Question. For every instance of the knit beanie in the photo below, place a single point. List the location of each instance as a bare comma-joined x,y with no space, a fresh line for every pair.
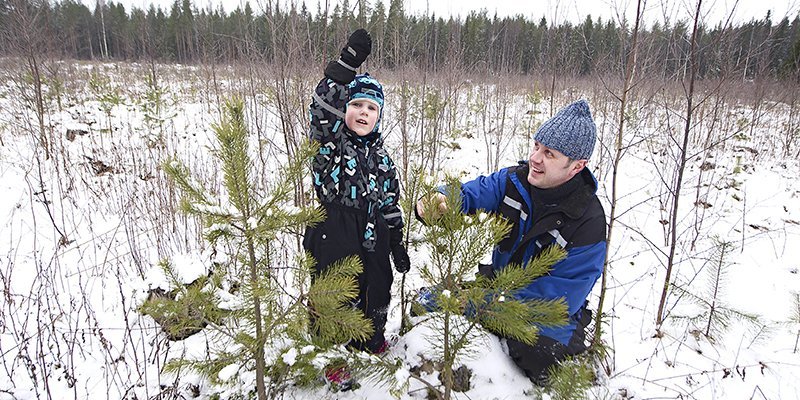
571,131
365,87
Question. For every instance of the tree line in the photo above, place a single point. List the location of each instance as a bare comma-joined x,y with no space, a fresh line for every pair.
760,48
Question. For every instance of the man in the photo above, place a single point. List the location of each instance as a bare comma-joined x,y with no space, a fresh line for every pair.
548,200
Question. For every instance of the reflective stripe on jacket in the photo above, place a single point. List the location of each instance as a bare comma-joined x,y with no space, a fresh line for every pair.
348,170
577,224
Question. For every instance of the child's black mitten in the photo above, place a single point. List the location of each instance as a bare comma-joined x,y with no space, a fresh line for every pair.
402,263
358,47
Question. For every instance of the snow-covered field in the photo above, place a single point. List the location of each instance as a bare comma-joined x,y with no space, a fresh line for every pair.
83,231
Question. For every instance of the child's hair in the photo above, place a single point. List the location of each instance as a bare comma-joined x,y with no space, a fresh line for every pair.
365,87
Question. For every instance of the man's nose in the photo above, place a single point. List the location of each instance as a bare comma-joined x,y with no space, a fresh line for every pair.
536,156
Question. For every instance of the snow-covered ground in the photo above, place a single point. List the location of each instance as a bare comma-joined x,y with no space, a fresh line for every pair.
84,229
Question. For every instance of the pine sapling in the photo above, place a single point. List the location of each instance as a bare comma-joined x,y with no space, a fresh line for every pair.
466,305
107,94
155,105
796,317
716,317
570,379
186,309
264,316
412,189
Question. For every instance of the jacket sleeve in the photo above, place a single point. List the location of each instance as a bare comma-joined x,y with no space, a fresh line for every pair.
326,111
571,278
391,191
482,193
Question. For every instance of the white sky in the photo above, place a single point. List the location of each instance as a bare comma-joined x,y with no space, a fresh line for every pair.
554,10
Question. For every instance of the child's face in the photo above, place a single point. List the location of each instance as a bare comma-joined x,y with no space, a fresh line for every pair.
361,116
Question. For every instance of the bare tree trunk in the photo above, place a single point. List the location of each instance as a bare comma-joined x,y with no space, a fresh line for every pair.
630,71
447,369
404,94
260,339
552,94
38,100
676,192
790,129
104,50
29,41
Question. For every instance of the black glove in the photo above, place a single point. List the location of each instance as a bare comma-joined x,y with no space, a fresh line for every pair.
401,261
358,47
399,254
486,271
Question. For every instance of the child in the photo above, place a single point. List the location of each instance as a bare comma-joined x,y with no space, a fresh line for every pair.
356,182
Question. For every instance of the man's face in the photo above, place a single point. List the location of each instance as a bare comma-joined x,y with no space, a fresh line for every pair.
361,116
550,168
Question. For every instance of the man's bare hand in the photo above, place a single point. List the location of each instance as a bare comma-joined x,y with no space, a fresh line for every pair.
431,207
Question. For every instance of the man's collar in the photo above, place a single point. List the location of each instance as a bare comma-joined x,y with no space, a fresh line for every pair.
571,198
559,193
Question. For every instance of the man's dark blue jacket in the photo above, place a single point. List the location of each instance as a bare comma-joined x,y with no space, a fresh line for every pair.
569,215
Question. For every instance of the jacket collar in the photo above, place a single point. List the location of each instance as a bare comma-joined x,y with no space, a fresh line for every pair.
572,198
374,138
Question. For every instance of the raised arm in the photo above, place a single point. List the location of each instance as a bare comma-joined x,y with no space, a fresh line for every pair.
330,96
328,104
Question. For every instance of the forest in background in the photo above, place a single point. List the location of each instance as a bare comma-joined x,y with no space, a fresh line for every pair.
682,141
480,42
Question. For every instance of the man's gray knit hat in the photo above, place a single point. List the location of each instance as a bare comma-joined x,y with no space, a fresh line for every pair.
571,131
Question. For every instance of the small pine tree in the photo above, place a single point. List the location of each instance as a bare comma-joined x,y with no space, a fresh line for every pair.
570,379
265,318
107,94
457,243
186,309
413,188
716,317
795,317
154,105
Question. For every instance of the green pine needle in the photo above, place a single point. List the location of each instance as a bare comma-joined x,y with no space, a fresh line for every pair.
272,293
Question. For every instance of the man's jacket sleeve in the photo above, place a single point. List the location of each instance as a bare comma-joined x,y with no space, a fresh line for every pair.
571,278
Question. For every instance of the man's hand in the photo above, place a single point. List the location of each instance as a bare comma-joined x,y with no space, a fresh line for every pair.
431,207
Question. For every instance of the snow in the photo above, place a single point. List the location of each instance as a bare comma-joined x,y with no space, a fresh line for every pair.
290,357
192,266
228,372
81,250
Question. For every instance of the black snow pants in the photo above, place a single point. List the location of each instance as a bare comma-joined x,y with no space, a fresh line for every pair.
535,360
340,236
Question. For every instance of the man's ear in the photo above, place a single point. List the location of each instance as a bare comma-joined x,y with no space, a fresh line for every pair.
578,166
